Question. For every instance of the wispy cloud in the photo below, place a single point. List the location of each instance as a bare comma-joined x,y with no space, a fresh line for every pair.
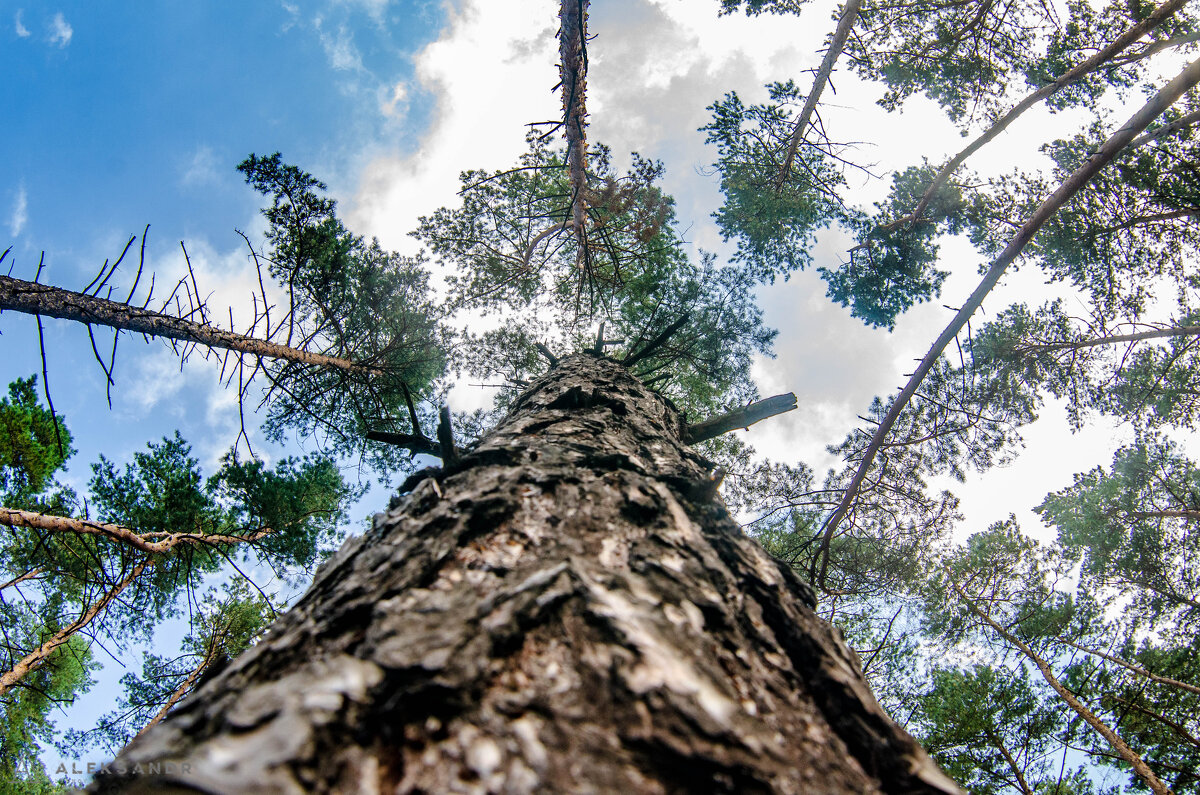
20,213
293,12
340,50
22,31
375,8
394,104
202,168
60,31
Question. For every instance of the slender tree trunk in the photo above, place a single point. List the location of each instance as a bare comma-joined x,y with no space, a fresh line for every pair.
567,608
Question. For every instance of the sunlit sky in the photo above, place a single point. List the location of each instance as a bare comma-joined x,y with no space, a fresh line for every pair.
118,115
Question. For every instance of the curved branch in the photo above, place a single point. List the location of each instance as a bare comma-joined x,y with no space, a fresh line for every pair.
13,517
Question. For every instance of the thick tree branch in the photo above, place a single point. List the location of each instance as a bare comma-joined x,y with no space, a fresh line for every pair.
445,434
416,443
544,351
998,743
1077,345
1171,92
654,344
1177,727
739,418
45,301
185,687
32,574
1187,120
13,517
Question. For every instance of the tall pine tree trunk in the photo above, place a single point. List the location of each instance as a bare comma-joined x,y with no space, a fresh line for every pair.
566,608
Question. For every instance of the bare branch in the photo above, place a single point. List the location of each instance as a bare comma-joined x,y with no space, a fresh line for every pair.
544,351
573,67
740,418
654,344
414,442
46,301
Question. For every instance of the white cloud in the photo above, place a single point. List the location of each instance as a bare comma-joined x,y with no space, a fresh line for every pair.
22,31
20,213
490,73
393,105
202,168
340,49
60,31
375,8
293,12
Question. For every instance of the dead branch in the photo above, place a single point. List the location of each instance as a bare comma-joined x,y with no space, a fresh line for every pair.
417,443
739,418
46,301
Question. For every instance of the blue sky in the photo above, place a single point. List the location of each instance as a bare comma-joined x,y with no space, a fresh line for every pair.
136,113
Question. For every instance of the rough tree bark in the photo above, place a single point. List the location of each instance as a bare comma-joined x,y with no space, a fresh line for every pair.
567,608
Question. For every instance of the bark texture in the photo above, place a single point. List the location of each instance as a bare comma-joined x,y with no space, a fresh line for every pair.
568,608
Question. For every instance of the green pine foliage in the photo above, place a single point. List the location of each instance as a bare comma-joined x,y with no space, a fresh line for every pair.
351,299
76,588
510,260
